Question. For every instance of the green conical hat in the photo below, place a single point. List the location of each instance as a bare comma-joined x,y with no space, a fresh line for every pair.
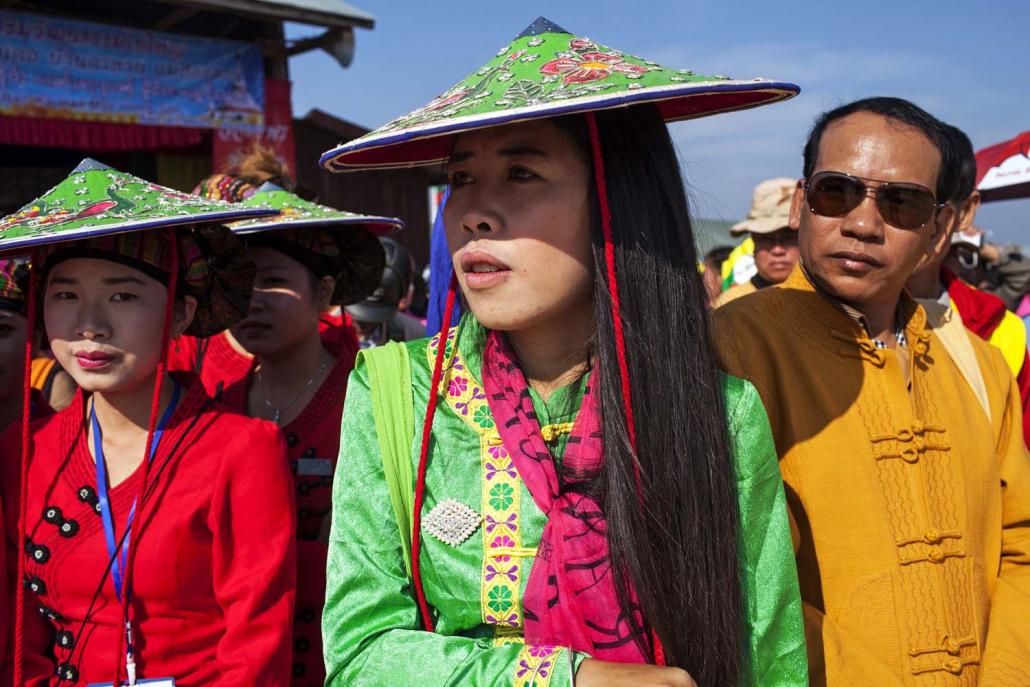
326,240
546,72
96,200
294,211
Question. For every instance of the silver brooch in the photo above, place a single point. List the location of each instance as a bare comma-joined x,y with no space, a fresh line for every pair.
451,521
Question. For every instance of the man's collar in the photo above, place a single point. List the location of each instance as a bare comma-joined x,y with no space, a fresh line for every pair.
853,313
906,311
760,282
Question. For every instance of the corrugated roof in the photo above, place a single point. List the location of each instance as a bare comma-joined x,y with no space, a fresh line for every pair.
330,13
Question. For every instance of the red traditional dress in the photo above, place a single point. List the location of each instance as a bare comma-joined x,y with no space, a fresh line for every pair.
327,242
313,443
220,365
214,559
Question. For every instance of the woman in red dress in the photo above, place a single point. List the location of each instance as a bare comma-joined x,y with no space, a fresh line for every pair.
308,259
179,568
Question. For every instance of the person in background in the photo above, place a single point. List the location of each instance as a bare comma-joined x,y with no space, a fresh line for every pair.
776,242
308,258
13,333
911,509
220,360
419,304
712,274
956,310
52,387
54,384
381,317
1006,273
259,166
962,257
1001,270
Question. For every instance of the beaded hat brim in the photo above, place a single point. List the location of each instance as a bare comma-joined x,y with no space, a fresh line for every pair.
547,72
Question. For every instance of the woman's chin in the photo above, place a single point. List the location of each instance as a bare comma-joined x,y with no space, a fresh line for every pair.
114,379
503,319
104,384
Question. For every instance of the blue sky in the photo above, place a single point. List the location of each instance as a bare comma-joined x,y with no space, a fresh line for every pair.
965,62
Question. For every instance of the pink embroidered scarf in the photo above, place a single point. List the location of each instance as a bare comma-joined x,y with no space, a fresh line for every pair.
570,597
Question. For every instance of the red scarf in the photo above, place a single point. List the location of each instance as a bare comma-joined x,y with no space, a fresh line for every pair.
570,598
981,312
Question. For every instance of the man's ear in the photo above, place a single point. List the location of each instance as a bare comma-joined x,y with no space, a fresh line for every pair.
797,205
185,310
942,225
967,211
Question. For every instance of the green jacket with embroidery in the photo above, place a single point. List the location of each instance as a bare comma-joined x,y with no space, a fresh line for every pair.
371,626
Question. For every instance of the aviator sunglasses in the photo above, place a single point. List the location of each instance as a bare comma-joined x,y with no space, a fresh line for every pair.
900,204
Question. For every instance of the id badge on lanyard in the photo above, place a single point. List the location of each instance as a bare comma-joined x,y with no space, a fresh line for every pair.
118,563
153,682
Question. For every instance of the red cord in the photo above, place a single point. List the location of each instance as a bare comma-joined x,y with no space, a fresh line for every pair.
620,338
613,290
155,410
26,451
423,457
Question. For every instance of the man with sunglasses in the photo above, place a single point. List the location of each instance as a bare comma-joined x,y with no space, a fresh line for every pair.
776,243
910,508
955,309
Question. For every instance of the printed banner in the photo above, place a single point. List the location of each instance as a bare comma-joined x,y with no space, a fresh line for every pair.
231,145
61,69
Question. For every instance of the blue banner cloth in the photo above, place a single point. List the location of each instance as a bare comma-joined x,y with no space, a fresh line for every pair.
53,68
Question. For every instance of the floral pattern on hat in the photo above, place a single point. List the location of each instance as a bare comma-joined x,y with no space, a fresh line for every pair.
297,212
547,71
96,200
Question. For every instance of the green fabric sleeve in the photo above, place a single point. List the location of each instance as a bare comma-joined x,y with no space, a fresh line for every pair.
772,599
389,375
370,624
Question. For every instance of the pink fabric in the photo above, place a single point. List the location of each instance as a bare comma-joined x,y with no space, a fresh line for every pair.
570,598
1024,307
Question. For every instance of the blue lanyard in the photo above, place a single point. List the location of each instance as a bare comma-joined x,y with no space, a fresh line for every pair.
105,504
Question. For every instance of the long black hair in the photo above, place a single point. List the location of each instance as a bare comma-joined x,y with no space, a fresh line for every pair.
679,551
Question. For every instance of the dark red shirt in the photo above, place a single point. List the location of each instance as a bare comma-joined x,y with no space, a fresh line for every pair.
313,443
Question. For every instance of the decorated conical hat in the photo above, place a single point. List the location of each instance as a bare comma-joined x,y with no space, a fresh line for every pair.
545,72
343,244
96,200
295,212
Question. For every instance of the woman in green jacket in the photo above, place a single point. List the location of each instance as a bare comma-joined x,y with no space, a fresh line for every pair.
562,488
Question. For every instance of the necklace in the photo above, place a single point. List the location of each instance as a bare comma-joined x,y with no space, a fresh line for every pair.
277,412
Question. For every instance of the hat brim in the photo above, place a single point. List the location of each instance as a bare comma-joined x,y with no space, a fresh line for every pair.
432,143
360,263
371,312
379,226
19,244
760,225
